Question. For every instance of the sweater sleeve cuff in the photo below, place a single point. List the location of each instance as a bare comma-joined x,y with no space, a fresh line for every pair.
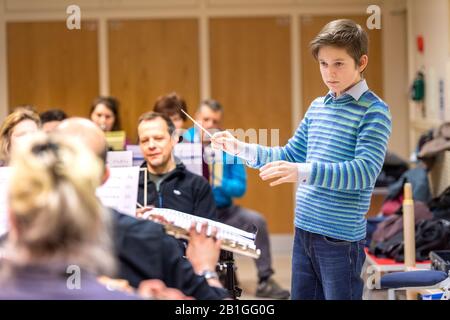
304,172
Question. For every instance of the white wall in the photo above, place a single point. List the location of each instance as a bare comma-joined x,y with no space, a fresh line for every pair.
395,73
429,19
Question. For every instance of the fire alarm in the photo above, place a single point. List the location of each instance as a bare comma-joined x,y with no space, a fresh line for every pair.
420,44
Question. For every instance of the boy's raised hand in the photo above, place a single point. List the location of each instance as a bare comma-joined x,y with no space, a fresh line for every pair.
283,170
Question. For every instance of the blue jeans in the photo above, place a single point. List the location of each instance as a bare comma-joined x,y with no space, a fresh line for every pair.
326,268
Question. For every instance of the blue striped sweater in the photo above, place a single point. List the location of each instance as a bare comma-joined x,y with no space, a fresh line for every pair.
345,141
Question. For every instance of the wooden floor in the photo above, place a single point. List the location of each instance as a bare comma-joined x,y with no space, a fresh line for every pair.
248,279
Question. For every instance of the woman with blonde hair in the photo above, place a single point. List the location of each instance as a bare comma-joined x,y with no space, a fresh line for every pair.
21,122
58,239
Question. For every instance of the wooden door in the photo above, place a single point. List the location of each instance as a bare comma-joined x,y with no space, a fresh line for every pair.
50,66
150,58
251,77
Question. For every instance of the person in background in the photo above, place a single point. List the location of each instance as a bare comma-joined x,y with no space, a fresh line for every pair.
50,119
169,184
105,113
17,125
170,105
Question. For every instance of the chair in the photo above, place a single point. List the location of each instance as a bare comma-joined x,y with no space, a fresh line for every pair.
413,279
416,280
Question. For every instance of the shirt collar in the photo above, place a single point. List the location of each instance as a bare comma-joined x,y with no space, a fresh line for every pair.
356,91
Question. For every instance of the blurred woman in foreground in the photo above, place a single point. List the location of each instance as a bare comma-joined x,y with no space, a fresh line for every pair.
58,239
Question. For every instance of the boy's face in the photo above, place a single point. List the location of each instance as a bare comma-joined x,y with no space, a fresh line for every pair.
339,70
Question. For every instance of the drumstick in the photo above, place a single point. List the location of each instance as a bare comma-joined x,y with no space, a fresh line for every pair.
197,124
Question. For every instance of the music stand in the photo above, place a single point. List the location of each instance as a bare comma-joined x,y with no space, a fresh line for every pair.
228,279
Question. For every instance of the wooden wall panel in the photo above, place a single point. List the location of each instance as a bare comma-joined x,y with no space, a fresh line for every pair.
149,58
51,66
312,84
251,77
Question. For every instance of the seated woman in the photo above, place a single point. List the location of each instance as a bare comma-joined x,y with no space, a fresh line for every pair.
58,238
105,113
21,122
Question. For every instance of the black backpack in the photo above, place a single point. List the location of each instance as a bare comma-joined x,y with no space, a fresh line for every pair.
430,235
440,206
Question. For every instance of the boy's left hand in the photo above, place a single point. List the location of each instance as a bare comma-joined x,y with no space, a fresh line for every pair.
283,170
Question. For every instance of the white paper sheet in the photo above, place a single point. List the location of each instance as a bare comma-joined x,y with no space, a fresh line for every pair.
121,189
4,179
184,220
119,159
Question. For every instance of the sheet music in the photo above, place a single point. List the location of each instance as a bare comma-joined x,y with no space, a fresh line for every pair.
5,173
119,159
121,189
224,231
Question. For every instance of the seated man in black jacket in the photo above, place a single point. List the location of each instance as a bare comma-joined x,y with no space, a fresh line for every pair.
169,184
143,249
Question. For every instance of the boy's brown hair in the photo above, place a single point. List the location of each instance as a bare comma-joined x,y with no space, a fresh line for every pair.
342,33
